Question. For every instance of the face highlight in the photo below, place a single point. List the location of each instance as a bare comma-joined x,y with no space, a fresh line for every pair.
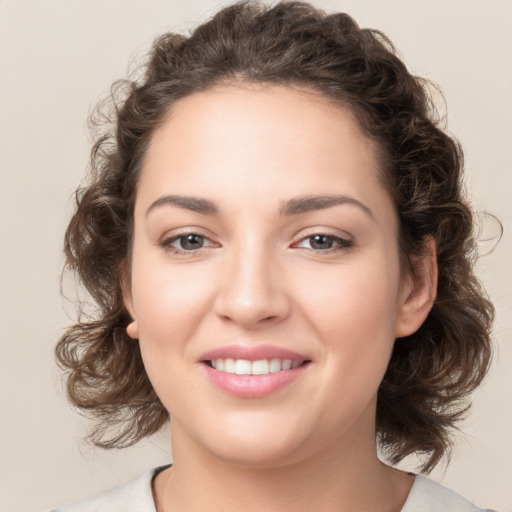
266,289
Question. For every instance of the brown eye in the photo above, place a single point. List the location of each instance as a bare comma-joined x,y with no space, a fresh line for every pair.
321,242
324,243
191,242
187,243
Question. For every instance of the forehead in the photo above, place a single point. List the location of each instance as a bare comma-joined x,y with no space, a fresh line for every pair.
286,115
276,140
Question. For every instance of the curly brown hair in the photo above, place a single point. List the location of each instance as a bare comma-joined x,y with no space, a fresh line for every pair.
431,373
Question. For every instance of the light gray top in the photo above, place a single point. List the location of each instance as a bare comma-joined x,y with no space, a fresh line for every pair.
136,496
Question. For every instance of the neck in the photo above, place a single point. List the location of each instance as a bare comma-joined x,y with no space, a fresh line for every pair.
350,477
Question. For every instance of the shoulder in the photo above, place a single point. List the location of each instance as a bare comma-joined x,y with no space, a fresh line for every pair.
134,496
429,496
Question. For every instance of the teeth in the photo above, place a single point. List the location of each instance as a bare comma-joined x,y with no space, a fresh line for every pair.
229,366
275,365
243,367
260,367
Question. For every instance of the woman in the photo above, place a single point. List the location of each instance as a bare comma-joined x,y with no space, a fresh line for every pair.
281,257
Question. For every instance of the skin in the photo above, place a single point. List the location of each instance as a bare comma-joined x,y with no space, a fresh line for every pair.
259,279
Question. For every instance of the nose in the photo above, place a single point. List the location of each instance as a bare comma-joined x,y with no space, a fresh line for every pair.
252,292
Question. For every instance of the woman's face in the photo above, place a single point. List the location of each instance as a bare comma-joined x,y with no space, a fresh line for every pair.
263,233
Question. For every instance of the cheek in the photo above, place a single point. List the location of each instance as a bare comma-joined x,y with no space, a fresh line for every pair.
358,299
168,302
354,315
168,305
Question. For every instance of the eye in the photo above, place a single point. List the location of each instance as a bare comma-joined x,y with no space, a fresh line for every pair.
187,243
321,242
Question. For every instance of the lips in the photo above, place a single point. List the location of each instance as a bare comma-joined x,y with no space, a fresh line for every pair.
252,353
253,371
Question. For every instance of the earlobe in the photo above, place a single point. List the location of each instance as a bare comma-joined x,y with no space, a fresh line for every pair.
419,293
132,329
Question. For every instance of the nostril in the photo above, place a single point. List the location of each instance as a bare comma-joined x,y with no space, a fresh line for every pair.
251,296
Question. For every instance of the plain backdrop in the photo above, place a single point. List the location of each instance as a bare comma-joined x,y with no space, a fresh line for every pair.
57,58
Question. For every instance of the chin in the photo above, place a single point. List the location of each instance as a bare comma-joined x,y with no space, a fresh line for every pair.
261,455
245,441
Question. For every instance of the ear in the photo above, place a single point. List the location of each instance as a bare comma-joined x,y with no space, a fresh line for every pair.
419,291
132,329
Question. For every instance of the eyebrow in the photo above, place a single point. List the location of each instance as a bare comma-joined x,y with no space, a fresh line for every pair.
294,206
196,204
305,204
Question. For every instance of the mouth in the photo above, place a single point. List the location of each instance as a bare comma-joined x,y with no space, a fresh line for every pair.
258,367
247,371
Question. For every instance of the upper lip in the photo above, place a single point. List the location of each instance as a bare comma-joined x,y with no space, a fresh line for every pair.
252,353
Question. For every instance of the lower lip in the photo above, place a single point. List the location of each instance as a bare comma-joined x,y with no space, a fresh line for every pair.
253,386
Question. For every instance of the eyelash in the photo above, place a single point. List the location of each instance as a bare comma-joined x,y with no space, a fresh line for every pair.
167,243
342,244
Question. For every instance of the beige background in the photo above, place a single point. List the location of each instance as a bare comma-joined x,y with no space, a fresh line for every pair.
57,57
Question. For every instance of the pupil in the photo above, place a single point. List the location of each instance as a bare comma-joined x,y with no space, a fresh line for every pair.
321,242
192,241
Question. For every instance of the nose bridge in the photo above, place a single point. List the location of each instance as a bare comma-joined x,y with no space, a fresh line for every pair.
251,290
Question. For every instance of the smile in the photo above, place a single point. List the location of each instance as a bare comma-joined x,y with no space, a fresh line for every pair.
260,367
253,371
